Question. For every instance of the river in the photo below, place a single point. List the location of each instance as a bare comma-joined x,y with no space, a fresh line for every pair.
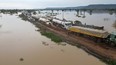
21,44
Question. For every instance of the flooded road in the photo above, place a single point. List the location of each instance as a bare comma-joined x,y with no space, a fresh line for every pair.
20,40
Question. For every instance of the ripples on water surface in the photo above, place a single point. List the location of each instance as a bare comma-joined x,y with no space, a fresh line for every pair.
20,40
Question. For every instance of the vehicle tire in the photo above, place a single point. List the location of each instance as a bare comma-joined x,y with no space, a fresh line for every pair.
112,44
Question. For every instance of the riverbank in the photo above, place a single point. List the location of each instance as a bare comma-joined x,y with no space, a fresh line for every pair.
103,52
53,37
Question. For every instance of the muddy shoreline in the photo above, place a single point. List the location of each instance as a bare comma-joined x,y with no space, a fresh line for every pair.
102,52
74,43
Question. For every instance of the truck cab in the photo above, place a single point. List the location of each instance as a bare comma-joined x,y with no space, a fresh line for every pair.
113,39
66,25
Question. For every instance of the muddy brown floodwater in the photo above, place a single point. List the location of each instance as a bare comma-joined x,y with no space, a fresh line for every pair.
21,44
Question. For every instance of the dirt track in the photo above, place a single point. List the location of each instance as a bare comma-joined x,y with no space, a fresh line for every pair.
101,51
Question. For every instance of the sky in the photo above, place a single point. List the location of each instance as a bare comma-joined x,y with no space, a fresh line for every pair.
32,4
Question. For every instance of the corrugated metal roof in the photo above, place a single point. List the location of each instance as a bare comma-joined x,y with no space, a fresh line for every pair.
89,31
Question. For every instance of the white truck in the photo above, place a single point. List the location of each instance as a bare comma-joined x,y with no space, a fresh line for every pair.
62,23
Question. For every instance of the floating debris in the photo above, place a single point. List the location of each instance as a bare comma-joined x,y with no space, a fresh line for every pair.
63,44
44,43
21,59
62,50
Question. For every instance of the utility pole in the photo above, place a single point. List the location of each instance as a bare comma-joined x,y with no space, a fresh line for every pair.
63,14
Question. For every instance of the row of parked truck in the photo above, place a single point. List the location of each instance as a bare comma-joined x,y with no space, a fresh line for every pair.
74,27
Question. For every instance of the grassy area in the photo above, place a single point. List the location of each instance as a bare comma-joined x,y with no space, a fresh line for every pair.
111,62
53,37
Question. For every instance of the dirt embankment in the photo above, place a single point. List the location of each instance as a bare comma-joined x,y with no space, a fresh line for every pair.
101,51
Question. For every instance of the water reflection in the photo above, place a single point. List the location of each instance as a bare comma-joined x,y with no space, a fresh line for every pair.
114,24
106,19
94,17
29,46
0,26
49,52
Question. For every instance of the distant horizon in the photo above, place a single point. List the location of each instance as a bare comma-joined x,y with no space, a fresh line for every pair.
85,5
41,4
62,6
